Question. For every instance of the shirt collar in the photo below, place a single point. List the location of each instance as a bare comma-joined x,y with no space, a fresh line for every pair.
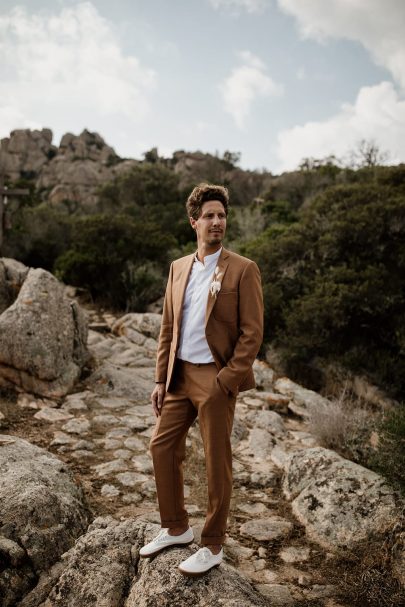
209,260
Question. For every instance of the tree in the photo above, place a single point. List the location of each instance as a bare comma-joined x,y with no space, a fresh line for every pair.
367,154
333,280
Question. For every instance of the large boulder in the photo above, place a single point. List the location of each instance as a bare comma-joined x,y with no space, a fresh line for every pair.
42,513
104,569
25,152
43,338
12,276
340,503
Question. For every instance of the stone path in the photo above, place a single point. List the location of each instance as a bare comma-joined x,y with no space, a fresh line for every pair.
102,431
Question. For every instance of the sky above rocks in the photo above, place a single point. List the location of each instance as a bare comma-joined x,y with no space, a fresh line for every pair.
276,80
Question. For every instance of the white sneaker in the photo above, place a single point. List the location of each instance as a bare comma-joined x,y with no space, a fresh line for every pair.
200,562
164,540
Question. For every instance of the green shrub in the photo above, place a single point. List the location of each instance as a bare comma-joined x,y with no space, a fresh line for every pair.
105,252
333,280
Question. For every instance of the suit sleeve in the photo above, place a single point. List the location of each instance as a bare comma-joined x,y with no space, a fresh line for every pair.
166,333
250,327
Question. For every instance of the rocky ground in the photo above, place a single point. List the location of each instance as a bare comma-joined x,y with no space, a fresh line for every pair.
102,430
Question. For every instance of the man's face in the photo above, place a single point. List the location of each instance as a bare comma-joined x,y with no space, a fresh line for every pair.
210,227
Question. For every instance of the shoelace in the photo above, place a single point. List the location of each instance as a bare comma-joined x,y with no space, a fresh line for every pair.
204,555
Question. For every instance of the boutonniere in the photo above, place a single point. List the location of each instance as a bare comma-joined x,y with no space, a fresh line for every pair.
215,285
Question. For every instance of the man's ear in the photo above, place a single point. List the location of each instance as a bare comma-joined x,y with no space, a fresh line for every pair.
192,222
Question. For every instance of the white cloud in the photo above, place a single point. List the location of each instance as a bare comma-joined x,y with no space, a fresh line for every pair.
378,26
67,69
378,114
237,6
246,83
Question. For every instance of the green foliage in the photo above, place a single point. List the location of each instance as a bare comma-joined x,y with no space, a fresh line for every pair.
106,253
149,192
38,236
333,281
144,283
389,459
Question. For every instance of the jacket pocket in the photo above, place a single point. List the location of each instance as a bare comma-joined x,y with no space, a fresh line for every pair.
226,306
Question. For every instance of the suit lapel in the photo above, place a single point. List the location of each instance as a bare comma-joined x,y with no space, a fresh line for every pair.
222,264
184,276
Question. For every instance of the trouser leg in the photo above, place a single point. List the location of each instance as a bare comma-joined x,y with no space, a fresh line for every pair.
215,414
216,428
167,447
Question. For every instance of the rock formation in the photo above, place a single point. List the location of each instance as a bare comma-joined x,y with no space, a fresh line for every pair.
42,513
295,504
339,502
67,176
43,333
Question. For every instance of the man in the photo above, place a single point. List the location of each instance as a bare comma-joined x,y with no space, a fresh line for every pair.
211,331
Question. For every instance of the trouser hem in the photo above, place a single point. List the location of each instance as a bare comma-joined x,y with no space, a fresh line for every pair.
174,523
212,539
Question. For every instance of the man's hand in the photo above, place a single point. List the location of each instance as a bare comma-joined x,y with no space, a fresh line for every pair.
157,396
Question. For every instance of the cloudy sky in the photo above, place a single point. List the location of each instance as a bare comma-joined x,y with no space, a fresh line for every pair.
276,80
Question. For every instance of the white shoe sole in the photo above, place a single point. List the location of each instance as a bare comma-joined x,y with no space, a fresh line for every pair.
197,573
146,556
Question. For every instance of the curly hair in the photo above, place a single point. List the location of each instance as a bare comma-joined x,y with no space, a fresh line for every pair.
202,193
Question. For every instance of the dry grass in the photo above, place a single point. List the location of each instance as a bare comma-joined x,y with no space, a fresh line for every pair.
366,576
345,424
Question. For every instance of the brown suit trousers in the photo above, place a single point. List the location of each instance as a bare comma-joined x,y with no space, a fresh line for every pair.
196,392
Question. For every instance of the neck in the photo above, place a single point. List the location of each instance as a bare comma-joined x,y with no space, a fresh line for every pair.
204,250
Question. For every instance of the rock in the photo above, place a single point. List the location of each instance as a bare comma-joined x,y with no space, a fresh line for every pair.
260,444
77,426
109,380
339,502
110,490
105,563
294,554
12,552
147,324
47,360
134,443
256,508
280,596
264,375
268,528
276,402
305,438
61,438
237,550
52,415
25,152
131,479
279,457
268,420
320,591
122,453
117,465
81,164
42,513
12,276
301,398
253,402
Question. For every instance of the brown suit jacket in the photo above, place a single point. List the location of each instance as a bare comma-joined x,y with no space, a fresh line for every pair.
233,320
